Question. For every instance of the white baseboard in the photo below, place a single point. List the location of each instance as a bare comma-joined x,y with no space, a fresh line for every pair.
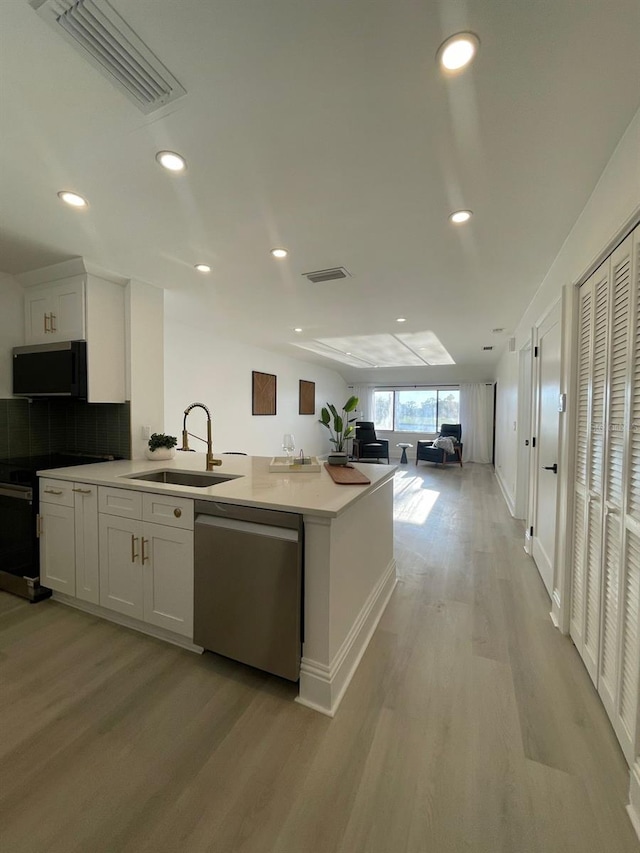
508,498
322,687
633,809
127,622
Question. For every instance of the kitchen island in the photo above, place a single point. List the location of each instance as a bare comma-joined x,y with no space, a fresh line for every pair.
349,567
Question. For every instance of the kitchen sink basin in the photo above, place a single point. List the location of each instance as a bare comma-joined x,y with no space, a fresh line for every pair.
184,478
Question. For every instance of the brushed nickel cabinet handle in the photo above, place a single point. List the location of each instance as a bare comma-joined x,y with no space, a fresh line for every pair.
82,491
134,556
38,526
46,328
53,491
53,317
177,512
144,556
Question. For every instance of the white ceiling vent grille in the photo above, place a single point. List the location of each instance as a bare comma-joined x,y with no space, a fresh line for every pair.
334,274
109,43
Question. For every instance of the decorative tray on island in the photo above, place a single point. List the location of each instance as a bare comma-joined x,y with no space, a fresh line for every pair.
294,465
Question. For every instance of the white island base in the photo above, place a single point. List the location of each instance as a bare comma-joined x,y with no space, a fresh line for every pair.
350,573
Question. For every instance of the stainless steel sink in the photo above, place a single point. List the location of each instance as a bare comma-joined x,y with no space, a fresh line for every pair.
184,478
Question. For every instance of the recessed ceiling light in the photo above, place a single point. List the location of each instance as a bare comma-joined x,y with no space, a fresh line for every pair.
401,320
279,253
460,216
203,267
73,199
347,353
457,51
171,161
297,330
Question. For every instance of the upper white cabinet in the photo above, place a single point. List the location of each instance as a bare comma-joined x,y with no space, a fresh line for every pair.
64,302
55,312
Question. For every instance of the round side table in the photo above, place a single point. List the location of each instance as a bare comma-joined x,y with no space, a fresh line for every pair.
403,458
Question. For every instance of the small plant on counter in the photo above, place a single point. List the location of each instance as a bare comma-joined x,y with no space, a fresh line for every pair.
342,428
159,439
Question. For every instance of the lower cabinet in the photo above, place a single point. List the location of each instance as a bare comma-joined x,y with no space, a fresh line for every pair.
124,550
57,548
68,530
146,572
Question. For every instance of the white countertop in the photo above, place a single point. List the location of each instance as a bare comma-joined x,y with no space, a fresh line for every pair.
314,494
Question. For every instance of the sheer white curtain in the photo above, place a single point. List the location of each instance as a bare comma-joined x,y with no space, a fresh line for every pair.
364,409
476,417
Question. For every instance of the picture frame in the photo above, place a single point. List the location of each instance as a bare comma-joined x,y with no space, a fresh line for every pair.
306,397
263,393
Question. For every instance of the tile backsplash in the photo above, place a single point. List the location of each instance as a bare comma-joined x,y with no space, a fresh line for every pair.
36,427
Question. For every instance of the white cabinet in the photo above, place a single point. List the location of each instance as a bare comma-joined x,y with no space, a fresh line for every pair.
120,565
55,312
68,530
146,568
127,551
57,548
61,306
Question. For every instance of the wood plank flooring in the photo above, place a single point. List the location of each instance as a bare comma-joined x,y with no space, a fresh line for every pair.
471,724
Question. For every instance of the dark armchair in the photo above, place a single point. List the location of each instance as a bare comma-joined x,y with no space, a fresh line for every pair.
426,452
366,445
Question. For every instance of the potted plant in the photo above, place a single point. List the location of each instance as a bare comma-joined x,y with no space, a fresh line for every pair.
341,429
161,446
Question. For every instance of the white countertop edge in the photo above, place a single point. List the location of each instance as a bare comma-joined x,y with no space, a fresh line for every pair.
308,494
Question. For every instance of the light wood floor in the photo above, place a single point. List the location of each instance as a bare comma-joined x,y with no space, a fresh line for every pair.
471,724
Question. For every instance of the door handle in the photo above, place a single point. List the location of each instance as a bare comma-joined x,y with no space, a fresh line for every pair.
553,468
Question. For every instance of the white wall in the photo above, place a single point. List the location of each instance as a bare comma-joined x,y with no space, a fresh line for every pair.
145,360
203,367
614,202
507,426
11,328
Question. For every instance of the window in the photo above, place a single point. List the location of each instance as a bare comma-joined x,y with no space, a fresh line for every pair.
416,409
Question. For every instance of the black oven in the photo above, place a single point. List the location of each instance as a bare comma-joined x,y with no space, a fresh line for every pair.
18,542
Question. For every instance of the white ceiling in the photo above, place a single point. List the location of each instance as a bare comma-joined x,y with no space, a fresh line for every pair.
323,126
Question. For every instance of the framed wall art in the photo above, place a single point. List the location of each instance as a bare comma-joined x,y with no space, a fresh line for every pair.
307,398
263,393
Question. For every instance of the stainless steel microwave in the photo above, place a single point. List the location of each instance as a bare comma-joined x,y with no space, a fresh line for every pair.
51,370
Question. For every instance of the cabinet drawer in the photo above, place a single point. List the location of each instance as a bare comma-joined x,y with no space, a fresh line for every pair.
56,492
122,502
165,509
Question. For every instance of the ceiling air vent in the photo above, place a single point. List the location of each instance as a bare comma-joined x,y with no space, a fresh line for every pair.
487,348
108,42
326,275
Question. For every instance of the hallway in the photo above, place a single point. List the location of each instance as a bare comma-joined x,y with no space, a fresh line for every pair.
470,725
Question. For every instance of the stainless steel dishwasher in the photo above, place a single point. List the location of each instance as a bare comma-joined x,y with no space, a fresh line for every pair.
248,585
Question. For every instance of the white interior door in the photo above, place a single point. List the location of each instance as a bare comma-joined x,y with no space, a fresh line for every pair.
546,487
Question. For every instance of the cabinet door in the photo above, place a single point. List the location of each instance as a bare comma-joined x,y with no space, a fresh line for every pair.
37,310
67,310
57,549
120,567
167,553
55,312
86,541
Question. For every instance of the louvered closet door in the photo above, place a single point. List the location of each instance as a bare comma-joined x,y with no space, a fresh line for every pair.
615,465
625,719
592,383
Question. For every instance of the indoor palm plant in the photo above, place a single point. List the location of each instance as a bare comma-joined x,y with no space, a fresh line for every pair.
340,426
